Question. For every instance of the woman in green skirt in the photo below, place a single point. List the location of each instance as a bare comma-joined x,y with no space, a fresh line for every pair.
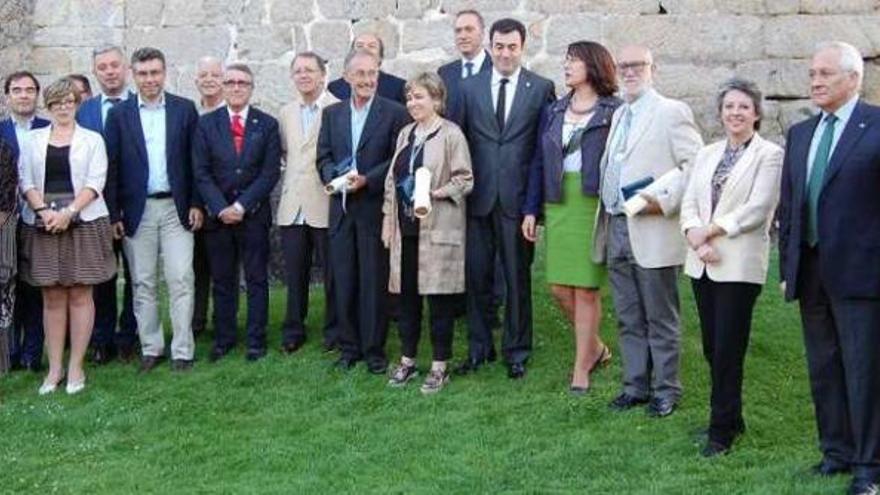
564,187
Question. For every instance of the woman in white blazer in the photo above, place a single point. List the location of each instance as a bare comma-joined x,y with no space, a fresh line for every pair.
726,213
66,241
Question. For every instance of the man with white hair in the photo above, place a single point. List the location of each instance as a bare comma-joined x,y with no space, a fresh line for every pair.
830,261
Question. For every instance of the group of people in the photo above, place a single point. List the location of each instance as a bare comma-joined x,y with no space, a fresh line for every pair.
432,190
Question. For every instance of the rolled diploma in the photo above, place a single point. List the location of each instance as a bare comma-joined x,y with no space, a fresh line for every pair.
637,203
422,193
338,184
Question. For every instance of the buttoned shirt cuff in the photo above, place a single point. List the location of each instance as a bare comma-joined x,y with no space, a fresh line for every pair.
238,207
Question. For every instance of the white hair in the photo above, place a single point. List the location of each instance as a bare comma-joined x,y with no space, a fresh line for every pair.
850,58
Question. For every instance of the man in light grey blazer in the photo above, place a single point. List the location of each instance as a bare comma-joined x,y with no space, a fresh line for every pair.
304,207
650,136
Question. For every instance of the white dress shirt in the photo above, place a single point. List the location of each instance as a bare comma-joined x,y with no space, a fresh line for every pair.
510,90
478,60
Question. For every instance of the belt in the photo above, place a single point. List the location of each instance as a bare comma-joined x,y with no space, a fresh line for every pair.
159,195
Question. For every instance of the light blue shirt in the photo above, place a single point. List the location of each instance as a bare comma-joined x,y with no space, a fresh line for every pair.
619,146
358,121
22,128
153,123
307,116
843,114
106,104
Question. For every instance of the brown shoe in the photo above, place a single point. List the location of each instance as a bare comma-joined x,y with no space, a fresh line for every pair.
149,362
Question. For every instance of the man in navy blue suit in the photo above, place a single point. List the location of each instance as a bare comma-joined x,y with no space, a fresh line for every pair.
109,67
388,86
830,262
469,29
358,136
153,204
237,159
26,346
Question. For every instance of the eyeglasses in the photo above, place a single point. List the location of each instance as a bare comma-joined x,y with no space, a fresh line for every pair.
634,66
66,103
231,83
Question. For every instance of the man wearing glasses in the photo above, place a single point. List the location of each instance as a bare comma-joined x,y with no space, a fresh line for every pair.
153,205
650,136
237,159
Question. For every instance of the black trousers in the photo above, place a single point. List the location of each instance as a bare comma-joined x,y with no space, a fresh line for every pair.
725,310
106,309
442,306
299,243
246,243
359,263
26,337
842,339
202,272
486,236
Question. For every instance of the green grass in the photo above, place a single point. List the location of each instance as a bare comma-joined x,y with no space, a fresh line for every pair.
295,425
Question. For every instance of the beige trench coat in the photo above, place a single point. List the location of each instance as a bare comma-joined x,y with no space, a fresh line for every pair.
442,232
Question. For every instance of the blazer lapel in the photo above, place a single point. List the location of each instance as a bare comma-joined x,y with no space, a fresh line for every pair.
706,175
344,126
296,130
373,118
523,91
252,128
170,132
222,122
643,122
855,128
741,167
134,119
485,97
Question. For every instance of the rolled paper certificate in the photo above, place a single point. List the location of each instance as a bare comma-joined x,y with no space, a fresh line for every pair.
422,193
339,184
658,188
634,205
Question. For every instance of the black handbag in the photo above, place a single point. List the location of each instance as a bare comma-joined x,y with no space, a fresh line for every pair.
57,202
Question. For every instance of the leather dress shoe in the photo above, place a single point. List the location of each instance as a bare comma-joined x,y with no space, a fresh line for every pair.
516,371
255,354
217,353
714,449
149,362
660,408
625,402
828,468
345,363
292,347
102,354
377,367
863,487
469,366
330,346
181,364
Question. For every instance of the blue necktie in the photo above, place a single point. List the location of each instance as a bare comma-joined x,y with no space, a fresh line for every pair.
817,176
469,69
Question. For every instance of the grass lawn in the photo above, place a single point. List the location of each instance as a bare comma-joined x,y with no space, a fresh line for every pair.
295,425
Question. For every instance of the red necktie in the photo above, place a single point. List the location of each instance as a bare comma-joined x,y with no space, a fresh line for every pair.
237,129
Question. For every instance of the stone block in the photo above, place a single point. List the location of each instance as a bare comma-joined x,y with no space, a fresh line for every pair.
256,12
562,30
173,42
49,61
331,38
387,30
731,6
79,13
796,36
706,117
688,80
838,6
453,6
273,87
871,83
143,13
425,35
183,13
292,11
273,42
89,36
356,9
415,9
793,111
778,78
554,7
551,68
408,67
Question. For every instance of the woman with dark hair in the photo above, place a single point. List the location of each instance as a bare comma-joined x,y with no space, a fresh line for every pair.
564,186
8,257
726,213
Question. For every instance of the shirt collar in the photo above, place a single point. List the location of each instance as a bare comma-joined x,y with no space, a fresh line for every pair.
24,124
478,60
641,102
512,79
844,112
158,104
211,109
366,108
122,97
243,113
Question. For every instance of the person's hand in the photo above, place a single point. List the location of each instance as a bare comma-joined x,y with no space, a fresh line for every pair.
196,219
356,183
118,230
652,208
708,254
230,216
530,228
439,194
697,236
46,217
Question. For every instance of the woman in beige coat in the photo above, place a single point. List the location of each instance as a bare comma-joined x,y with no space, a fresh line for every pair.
427,252
726,213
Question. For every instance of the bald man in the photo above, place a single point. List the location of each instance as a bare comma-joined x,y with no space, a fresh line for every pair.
209,82
390,86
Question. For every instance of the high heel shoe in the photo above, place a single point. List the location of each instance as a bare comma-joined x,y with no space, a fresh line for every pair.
75,387
603,359
47,388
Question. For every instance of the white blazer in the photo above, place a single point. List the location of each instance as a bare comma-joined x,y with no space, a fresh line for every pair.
745,211
88,168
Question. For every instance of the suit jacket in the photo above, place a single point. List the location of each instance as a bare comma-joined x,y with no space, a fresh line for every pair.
545,174
849,208
745,211
88,168
501,157
7,132
442,232
390,86
301,185
89,114
662,138
224,176
374,152
451,75
128,171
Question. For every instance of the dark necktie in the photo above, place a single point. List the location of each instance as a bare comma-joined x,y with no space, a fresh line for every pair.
237,129
469,69
502,98
817,176
114,100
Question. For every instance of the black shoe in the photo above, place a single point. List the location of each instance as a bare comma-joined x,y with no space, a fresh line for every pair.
863,487
292,347
255,354
625,402
377,367
218,352
149,362
330,346
828,468
516,371
491,356
660,408
127,352
469,366
102,354
713,449
181,364
345,363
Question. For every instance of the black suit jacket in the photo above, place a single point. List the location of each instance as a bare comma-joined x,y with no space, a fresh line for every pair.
224,176
451,75
501,157
374,153
390,86
128,169
849,208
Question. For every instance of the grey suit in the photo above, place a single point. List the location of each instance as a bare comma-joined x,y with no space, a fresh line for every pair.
500,158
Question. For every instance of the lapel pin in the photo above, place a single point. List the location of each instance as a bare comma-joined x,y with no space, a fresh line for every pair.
254,120
528,84
861,125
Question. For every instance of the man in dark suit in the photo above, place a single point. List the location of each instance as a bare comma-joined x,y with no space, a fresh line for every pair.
109,67
389,86
829,262
358,136
469,30
153,204
501,110
237,158
21,90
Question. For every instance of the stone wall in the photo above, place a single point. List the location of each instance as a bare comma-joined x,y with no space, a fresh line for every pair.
697,43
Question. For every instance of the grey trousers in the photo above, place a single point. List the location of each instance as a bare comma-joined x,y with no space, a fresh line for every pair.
646,304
